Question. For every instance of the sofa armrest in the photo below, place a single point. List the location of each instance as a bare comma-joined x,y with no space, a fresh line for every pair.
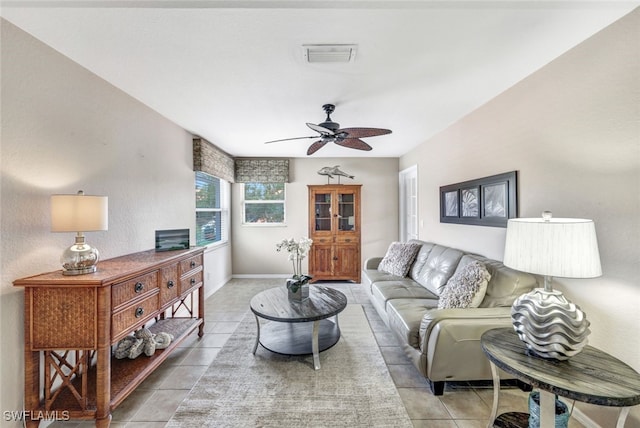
372,263
480,319
450,347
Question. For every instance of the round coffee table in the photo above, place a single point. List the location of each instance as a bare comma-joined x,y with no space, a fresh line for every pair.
299,328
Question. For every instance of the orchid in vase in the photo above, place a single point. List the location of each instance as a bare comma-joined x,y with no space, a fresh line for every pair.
297,250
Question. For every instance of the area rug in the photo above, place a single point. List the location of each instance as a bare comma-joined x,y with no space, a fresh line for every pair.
353,388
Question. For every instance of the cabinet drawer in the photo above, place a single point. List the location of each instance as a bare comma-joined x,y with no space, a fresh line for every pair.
126,291
132,316
189,282
190,264
168,284
342,239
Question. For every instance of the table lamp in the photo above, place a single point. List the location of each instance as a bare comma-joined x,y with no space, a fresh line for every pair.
79,213
548,324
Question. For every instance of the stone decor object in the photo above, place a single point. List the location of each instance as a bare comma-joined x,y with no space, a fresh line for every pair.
142,341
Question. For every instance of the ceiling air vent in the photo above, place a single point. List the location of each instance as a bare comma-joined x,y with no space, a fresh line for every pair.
329,53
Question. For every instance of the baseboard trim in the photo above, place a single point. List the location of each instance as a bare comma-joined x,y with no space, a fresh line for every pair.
213,288
261,275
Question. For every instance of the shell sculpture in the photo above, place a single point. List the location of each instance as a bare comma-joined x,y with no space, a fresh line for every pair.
550,325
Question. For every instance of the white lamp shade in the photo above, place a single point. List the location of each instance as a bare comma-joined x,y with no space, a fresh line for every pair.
79,213
557,247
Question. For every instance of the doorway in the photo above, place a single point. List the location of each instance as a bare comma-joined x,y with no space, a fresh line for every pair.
409,203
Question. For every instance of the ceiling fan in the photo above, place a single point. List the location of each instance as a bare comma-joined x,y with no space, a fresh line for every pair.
331,132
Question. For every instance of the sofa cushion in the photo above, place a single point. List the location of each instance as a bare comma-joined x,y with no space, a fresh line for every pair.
505,285
373,275
399,258
421,257
405,316
383,291
440,265
466,288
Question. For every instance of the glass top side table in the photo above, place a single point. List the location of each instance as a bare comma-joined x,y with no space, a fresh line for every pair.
592,376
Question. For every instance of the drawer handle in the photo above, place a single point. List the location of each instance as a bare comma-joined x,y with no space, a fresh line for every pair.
347,240
193,263
193,281
170,284
139,287
139,312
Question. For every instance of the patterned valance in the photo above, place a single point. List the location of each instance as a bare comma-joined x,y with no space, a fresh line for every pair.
210,159
268,170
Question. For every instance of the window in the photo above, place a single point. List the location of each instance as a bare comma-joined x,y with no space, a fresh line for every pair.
264,203
211,209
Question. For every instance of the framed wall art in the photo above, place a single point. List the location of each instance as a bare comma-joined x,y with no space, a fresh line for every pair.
488,201
174,239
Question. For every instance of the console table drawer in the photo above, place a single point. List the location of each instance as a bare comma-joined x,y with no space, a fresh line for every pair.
124,292
133,316
190,282
168,284
190,264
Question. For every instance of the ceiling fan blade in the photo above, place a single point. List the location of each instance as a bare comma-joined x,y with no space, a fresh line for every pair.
353,143
321,129
289,139
317,146
363,132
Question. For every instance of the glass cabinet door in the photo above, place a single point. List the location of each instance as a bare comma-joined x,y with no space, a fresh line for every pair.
346,211
322,211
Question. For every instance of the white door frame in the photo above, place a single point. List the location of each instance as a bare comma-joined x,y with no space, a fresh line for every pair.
408,182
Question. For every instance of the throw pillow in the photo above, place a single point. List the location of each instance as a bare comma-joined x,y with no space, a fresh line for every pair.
466,288
399,258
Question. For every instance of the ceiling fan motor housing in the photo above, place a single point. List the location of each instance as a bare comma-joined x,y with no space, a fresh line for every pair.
328,123
333,126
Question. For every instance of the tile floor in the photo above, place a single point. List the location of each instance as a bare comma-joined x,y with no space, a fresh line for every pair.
153,403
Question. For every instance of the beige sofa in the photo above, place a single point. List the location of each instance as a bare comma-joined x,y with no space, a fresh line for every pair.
444,344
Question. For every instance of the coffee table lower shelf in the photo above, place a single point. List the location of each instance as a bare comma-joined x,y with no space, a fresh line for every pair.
296,338
512,420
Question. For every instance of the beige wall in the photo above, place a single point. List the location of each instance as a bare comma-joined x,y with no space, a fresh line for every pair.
254,251
64,129
572,131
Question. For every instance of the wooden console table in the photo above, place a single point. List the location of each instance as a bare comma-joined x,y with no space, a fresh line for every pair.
72,322
592,376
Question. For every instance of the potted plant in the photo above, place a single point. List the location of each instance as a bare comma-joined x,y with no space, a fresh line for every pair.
298,285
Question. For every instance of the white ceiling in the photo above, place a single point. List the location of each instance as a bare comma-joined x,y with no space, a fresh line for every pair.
233,71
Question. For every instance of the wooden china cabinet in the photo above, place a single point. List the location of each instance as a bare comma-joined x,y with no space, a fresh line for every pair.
334,226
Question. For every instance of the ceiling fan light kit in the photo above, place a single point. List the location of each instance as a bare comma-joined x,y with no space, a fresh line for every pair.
330,131
327,53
